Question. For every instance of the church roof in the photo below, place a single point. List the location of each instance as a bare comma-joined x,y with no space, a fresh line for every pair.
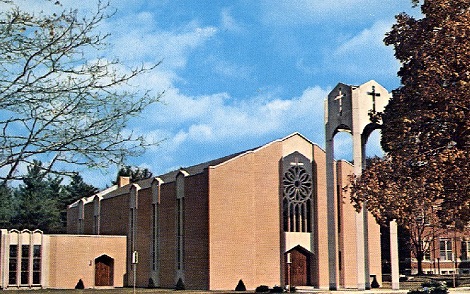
191,170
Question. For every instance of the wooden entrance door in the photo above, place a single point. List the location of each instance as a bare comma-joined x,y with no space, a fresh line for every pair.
104,271
299,268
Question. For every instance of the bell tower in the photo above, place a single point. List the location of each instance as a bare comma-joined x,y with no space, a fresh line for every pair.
351,109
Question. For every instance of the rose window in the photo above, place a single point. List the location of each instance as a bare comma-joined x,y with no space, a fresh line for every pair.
297,199
297,184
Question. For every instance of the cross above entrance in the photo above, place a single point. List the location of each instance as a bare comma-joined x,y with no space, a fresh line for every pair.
373,94
340,98
296,162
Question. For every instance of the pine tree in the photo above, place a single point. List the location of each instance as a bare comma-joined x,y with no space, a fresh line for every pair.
75,190
37,201
134,173
6,206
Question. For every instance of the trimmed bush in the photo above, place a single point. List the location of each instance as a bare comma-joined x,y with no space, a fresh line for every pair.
180,285
80,285
277,289
240,286
431,287
151,283
262,289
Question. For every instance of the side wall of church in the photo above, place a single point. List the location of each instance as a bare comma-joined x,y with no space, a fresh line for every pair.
143,239
88,214
244,226
346,229
72,220
196,230
114,215
167,223
347,232
321,218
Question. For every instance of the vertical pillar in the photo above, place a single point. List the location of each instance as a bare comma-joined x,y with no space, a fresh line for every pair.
394,255
360,217
332,228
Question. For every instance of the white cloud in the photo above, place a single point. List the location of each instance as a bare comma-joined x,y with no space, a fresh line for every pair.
228,22
145,43
231,70
365,55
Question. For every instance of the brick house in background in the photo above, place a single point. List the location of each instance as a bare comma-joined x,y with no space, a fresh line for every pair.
447,252
259,216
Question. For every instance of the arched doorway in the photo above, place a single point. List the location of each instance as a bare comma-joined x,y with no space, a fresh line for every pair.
104,271
298,267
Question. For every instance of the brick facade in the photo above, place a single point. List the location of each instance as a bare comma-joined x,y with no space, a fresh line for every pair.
212,224
35,260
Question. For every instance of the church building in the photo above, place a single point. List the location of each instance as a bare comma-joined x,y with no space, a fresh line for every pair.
259,216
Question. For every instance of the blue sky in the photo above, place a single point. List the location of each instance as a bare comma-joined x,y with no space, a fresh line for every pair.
239,74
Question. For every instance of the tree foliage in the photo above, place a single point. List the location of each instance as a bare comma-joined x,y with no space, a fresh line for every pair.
76,189
426,125
134,173
41,201
61,101
37,201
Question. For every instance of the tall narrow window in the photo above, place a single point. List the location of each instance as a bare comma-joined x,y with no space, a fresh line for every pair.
81,216
132,228
180,232
37,264
96,215
445,249
297,198
24,265
180,207
13,265
154,236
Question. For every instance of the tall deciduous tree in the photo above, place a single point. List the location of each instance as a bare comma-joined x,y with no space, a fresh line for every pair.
60,100
426,125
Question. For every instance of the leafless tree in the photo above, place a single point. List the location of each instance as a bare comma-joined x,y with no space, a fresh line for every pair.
60,100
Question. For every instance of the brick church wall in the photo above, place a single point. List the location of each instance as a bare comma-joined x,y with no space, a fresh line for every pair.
244,228
321,217
144,236
196,228
167,221
88,214
114,215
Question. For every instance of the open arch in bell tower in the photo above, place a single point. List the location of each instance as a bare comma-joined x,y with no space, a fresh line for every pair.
351,109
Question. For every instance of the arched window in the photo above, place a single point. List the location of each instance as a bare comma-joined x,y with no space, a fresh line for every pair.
297,198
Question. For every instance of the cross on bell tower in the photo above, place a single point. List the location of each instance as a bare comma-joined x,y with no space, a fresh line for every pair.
353,118
374,94
339,98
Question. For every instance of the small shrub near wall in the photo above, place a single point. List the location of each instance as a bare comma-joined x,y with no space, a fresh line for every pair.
262,289
240,286
431,287
180,285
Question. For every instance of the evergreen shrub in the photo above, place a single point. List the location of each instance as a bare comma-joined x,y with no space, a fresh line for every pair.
240,286
180,285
